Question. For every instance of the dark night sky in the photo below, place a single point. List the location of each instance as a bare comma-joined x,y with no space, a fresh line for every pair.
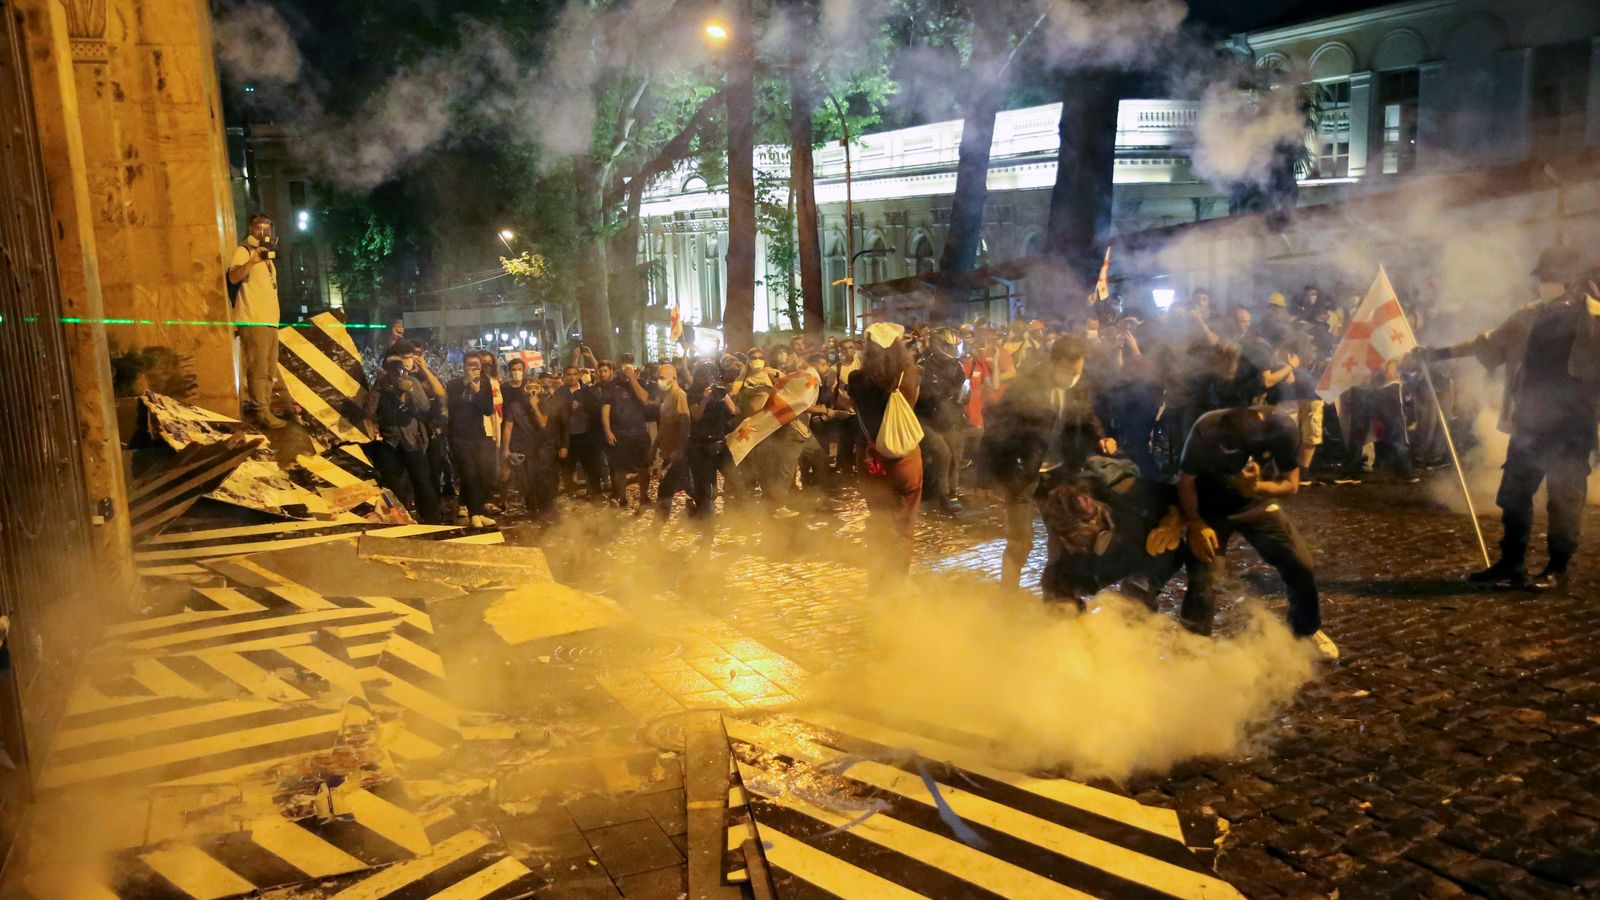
1227,16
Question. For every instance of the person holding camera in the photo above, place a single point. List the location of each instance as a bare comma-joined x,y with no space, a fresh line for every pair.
396,414
712,415
253,292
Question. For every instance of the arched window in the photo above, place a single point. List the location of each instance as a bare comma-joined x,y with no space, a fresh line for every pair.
833,270
922,260
710,280
873,267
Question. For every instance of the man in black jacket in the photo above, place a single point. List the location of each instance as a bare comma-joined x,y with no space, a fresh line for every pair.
944,423
473,438
1551,354
1047,418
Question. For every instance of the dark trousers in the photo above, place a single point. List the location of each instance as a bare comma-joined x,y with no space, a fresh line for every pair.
440,474
1393,453
541,480
1531,459
477,471
814,461
407,473
588,454
705,459
849,434
676,477
943,451
1270,532
1136,414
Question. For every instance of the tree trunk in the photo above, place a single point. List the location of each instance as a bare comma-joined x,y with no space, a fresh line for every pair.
803,193
627,301
738,316
1080,203
594,305
986,81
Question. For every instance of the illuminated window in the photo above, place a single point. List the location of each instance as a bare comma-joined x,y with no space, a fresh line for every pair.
1332,150
1397,96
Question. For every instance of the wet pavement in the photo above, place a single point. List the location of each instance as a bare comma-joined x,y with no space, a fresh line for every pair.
1456,749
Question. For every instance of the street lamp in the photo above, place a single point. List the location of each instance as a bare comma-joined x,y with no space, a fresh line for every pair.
849,215
506,237
716,32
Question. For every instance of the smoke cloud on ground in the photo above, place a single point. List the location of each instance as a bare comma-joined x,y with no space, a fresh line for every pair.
1109,693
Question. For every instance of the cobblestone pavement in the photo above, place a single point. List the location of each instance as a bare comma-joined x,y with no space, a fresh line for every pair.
1455,751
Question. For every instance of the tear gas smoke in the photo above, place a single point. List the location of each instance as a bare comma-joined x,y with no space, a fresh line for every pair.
1236,133
254,43
1111,693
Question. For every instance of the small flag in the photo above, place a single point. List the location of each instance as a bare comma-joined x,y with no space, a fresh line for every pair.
675,329
1378,332
1102,285
793,394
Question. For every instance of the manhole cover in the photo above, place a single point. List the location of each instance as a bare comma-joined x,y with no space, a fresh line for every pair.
666,732
621,650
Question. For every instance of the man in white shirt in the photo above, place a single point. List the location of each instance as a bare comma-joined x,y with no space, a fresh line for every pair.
253,282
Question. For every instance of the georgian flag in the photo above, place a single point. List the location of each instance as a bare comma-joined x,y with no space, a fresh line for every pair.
1378,332
1102,285
793,394
675,324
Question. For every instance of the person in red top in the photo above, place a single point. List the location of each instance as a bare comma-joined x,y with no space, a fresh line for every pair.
988,372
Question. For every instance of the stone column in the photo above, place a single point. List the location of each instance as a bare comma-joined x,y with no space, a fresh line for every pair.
1361,112
55,100
1432,98
162,207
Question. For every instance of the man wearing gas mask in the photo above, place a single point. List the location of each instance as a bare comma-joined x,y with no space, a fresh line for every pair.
1551,353
253,292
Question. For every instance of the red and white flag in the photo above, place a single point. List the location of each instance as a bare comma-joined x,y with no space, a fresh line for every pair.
1102,285
1378,332
793,394
675,324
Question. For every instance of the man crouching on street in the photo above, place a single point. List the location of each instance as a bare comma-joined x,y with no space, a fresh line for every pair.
1222,491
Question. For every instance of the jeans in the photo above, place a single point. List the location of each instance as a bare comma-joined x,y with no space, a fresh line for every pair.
541,480
1268,529
1530,459
259,346
408,475
1136,412
477,471
773,464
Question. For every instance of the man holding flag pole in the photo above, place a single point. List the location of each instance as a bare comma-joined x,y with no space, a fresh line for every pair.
1380,334
1550,351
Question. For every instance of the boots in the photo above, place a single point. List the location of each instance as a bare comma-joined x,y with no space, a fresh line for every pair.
1502,574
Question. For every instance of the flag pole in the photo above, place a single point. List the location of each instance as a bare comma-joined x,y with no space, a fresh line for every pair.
1449,442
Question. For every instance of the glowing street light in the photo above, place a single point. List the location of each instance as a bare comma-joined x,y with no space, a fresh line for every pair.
506,237
716,32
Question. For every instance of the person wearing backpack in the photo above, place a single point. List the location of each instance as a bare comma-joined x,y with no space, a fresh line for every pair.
885,390
253,294
1047,419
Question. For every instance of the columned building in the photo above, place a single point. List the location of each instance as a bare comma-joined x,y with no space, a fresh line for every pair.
1410,92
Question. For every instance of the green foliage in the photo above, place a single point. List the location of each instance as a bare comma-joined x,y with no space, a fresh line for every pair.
362,240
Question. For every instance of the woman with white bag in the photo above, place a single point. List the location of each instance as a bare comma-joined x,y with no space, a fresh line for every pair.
885,390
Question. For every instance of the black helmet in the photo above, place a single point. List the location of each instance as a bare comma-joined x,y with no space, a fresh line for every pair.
1560,264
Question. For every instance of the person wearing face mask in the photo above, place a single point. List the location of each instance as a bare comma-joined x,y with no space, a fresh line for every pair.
624,422
473,438
672,431
1550,351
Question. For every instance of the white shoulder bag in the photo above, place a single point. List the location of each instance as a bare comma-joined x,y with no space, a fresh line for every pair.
900,432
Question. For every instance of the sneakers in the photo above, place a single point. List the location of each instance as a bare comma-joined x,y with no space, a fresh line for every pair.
1554,580
1325,646
481,522
1502,575
268,420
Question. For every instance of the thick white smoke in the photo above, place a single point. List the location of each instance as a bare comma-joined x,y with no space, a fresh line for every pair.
1237,133
254,43
1113,692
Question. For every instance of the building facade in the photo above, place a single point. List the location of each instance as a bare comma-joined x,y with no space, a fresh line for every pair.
1410,91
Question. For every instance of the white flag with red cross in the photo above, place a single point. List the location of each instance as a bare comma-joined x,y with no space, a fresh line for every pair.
793,394
1378,333
1102,285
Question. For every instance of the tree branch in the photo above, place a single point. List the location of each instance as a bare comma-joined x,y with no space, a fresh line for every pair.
672,150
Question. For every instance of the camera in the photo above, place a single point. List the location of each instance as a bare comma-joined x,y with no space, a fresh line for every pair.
268,246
